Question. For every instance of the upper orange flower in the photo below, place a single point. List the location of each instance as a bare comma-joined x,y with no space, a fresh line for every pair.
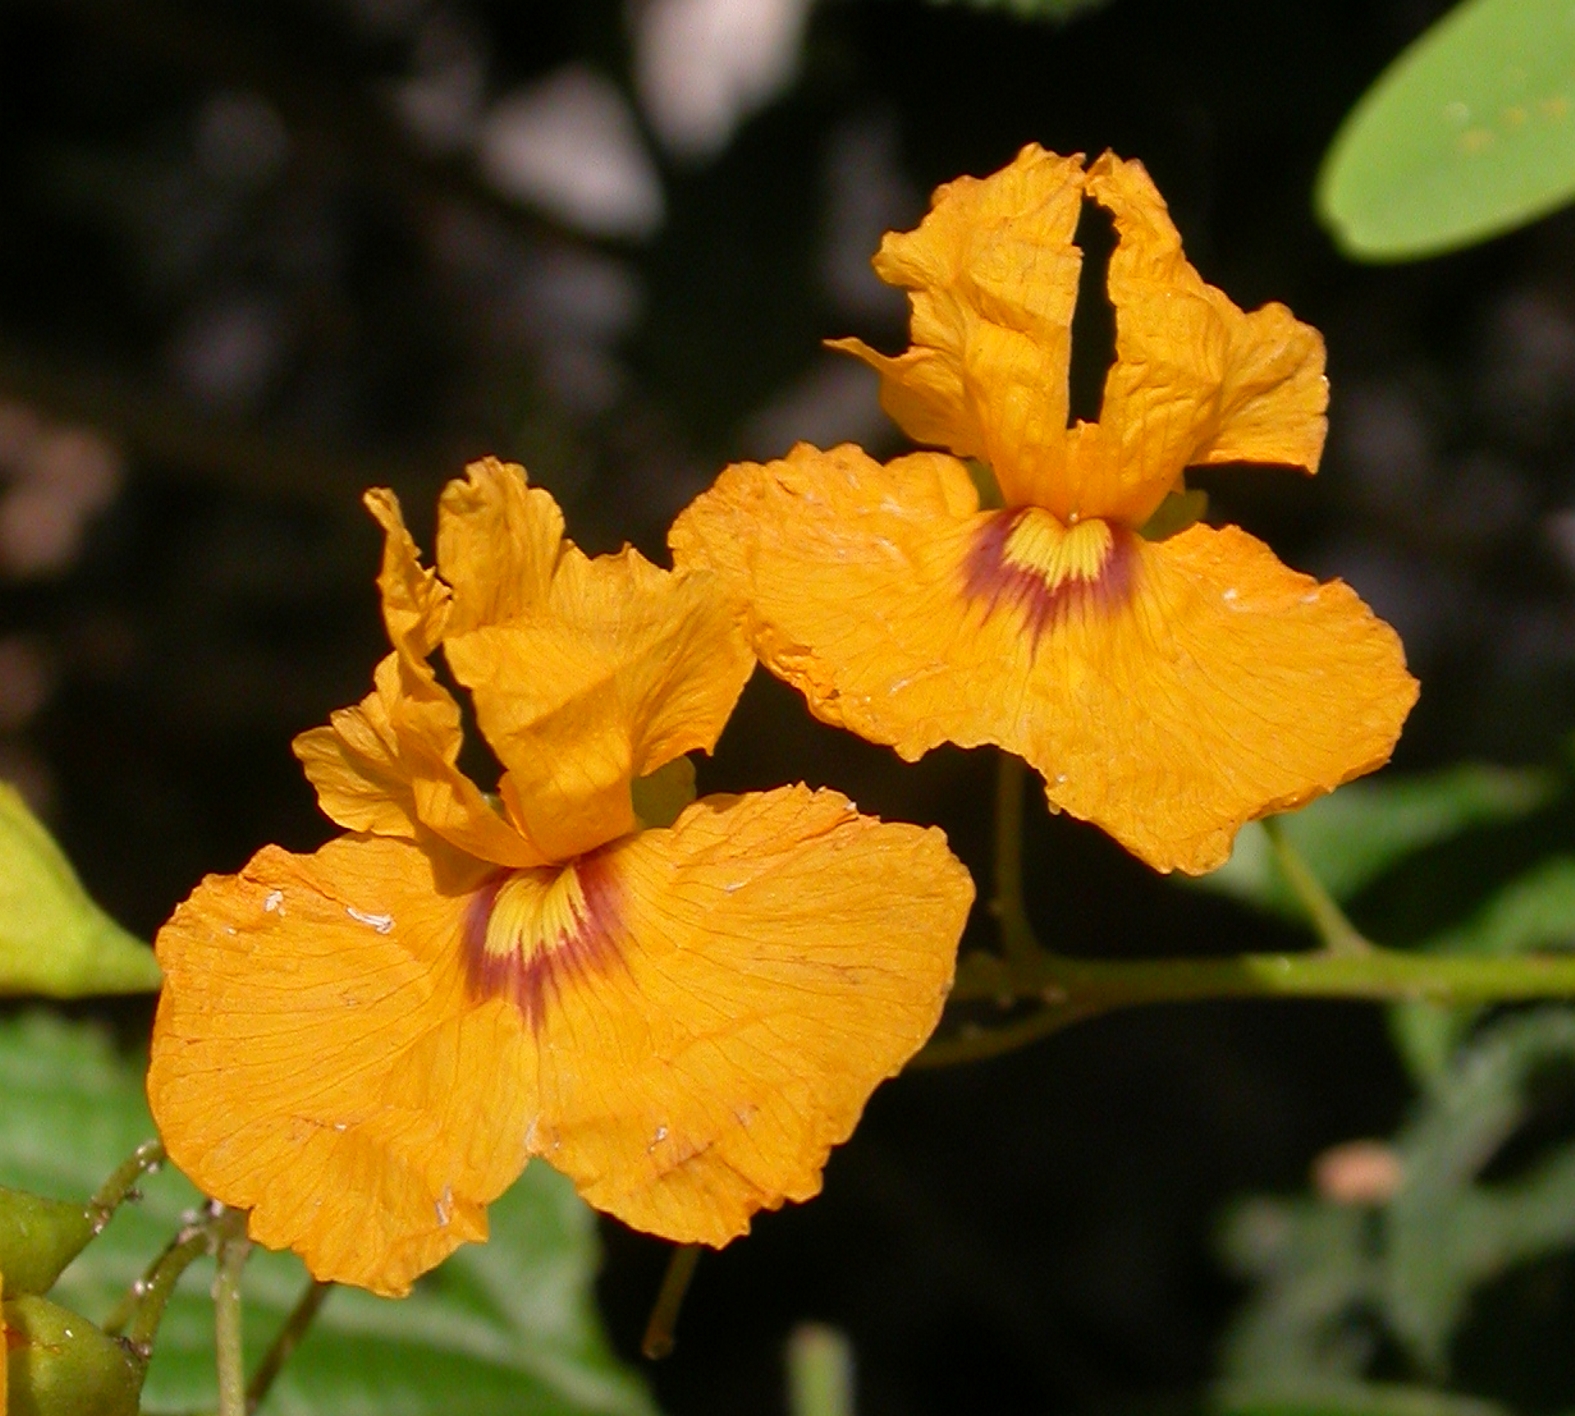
364,1046
1168,691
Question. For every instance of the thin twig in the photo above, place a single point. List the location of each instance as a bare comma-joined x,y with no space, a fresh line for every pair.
1339,935
661,1332
288,1339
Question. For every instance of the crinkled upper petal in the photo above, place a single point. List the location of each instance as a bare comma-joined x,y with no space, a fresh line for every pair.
388,765
778,955
498,543
994,275
1196,685
606,671
317,1060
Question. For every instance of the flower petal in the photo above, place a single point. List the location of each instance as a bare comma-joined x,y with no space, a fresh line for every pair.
624,668
993,275
994,279
1184,688
854,573
388,765
1195,380
316,1060
780,956
498,542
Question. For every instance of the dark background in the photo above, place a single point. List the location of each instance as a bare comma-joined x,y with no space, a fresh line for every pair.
237,287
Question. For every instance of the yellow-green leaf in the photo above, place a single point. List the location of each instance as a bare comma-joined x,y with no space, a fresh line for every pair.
53,939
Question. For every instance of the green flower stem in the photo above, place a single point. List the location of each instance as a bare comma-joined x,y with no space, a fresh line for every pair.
140,1314
122,1181
1011,914
288,1339
661,1332
234,1249
1077,988
1338,934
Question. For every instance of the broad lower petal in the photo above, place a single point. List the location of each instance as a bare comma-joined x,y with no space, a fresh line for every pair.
1168,692
777,956
317,1060
855,577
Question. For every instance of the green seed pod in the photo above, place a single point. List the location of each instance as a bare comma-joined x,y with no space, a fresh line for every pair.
59,1364
39,1237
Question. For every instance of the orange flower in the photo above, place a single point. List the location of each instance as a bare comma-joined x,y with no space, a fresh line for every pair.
1167,690
366,1045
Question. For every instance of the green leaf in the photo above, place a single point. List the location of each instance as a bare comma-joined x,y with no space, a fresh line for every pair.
53,939
505,1326
1056,11
1469,133
1351,837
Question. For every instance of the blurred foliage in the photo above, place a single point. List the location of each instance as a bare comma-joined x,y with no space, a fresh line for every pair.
509,1325
1468,134
1358,1301
1059,11
53,939
1353,836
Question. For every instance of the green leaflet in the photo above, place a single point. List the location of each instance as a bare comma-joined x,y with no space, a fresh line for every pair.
53,939
505,1326
1469,133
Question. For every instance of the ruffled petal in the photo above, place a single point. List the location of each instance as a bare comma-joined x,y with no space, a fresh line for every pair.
624,668
778,955
994,275
498,543
388,765
1195,380
1168,692
318,1061
855,578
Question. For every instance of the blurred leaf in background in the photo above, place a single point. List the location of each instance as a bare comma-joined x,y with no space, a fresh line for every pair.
1353,836
1468,134
1360,1293
53,939
509,1325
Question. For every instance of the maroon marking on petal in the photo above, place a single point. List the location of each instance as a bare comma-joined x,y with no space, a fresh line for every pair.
996,581
531,974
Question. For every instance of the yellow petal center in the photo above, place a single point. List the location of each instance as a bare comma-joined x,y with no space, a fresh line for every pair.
1041,545
530,931
1047,569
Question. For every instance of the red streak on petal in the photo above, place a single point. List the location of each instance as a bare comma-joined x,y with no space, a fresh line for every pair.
532,972
995,580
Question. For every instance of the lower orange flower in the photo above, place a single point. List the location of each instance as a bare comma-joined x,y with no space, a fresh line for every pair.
366,1045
